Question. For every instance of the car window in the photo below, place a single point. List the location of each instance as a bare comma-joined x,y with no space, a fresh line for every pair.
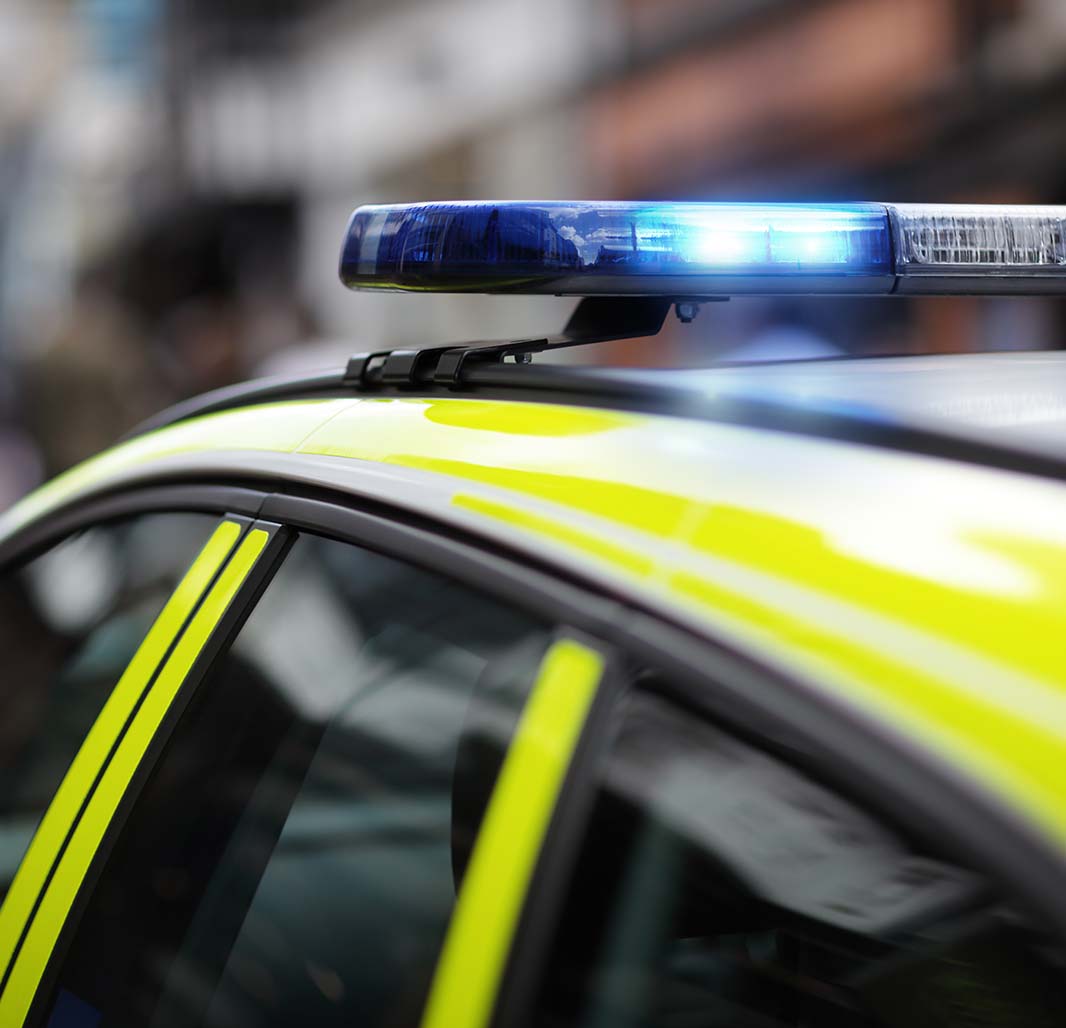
70,621
716,885
294,856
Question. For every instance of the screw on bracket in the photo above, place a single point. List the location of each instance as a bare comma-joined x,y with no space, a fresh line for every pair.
686,312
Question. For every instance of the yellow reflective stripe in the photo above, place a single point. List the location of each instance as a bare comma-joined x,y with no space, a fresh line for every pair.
490,900
47,923
59,818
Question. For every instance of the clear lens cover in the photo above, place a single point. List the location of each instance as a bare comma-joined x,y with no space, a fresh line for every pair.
942,240
679,249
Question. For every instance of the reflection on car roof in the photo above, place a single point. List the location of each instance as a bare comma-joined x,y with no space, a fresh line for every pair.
1014,399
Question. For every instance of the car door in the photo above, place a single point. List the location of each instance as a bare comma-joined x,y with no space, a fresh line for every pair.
721,878
334,744
398,777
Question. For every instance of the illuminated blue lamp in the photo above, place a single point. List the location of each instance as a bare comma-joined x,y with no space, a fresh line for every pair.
689,250
683,249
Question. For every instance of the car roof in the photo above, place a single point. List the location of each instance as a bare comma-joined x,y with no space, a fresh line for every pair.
923,592
999,409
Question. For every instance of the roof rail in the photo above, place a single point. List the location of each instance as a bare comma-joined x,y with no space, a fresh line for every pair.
595,320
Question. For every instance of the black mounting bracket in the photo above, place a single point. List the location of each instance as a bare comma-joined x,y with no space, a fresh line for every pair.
596,319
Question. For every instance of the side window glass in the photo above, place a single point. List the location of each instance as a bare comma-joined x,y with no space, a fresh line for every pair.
295,855
70,621
716,885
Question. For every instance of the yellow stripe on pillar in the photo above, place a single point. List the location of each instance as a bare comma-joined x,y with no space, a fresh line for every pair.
491,896
51,915
70,797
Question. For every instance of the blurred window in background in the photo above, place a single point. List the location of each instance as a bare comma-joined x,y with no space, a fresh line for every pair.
70,622
718,886
294,858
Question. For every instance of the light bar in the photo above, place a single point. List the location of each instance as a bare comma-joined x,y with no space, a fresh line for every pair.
689,250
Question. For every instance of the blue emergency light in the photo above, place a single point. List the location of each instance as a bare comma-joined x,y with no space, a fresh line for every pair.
693,250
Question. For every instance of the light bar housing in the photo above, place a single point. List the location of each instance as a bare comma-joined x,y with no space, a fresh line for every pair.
693,250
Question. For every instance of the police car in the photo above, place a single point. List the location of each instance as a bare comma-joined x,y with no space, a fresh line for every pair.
459,689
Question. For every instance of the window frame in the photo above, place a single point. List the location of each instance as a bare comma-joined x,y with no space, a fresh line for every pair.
756,699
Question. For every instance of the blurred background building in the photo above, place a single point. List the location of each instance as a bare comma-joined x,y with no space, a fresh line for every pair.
175,175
